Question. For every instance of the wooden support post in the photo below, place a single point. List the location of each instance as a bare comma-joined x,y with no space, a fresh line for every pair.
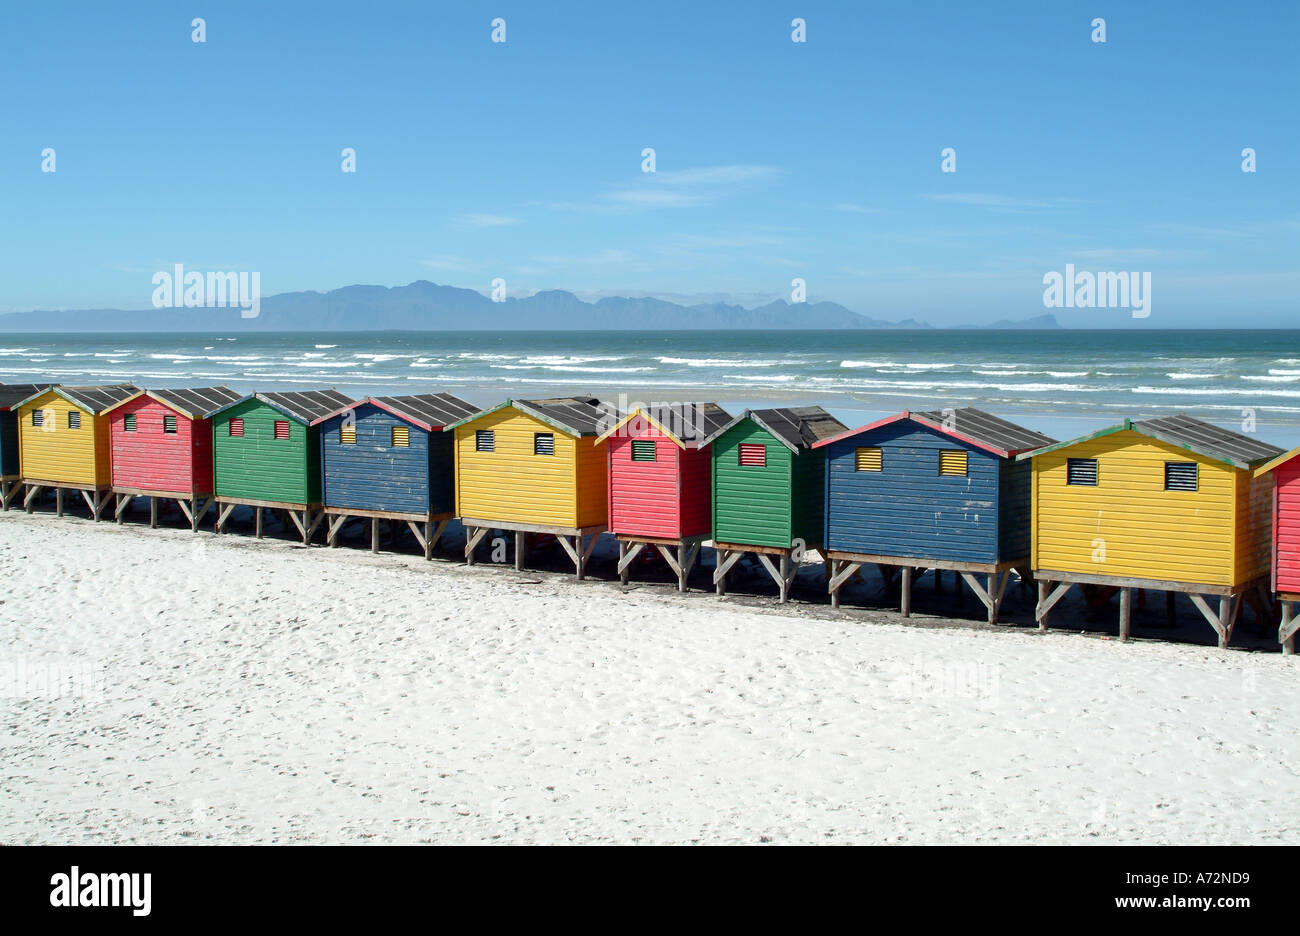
521,549
1047,598
374,534
153,513
1125,614
473,536
119,510
1286,632
1229,605
830,582
726,559
622,566
332,529
905,603
429,537
257,511
58,502
685,558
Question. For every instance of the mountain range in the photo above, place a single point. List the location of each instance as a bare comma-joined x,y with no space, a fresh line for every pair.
425,306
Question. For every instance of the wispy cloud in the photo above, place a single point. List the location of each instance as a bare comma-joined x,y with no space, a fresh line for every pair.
1002,202
656,198
683,188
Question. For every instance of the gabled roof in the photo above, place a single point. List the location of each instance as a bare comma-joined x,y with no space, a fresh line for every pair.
303,406
1195,435
427,411
795,427
577,416
13,394
1276,462
93,400
687,424
192,403
968,424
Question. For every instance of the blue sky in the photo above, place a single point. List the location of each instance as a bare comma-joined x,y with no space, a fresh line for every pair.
775,159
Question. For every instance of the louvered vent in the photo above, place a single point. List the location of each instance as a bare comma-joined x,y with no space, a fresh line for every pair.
1180,476
1082,471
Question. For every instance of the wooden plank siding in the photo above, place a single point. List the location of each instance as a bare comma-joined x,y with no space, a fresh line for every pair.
258,466
153,460
512,484
1286,574
1253,551
752,506
1146,531
908,508
644,496
53,452
9,444
1015,509
374,474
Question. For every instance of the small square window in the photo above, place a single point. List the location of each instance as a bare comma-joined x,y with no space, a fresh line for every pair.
752,455
236,427
868,459
1081,471
485,440
128,422
643,450
74,419
169,424
543,443
952,462
1180,476
401,436
282,428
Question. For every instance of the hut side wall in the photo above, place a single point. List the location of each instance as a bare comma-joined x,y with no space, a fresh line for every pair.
1129,525
511,484
808,497
8,443
1287,568
149,458
643,495
373,474
592,481
907,508
1015,509
1254,547
258,466
751,506
695,477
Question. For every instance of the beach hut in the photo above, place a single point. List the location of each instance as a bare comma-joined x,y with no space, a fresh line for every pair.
161,445
937,490
660,479
63,443
266,454
534,466
1170,504
10,474
1284,472
769,489
387,458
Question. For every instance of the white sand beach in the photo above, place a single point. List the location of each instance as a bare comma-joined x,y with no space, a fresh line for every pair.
225,690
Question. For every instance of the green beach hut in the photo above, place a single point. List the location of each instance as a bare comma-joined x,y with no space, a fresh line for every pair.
769,489
266,454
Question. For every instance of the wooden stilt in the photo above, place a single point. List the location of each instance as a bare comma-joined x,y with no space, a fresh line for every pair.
153,513
905,604
1286,632
258,513
1125,614
374,534
58,502
521,549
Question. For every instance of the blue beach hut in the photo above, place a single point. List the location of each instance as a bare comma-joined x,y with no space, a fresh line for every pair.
937,490
387,458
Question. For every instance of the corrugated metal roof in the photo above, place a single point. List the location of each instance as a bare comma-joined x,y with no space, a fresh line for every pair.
580,416
307,405
13,394
433,410
97,399
798,426
989,430
196,402
1209,440
690,422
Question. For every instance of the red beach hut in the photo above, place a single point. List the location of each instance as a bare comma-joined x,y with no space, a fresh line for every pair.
161,443
1286,540
660,480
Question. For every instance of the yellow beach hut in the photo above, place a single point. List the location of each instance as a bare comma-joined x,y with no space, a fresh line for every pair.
1170,504
534,466
63,443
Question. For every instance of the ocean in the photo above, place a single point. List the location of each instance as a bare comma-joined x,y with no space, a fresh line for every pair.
1061,382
